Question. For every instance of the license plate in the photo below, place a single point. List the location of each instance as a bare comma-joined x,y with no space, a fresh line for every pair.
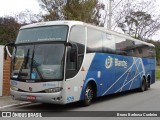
31,97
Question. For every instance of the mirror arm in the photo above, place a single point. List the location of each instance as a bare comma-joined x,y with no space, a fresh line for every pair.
6,51
68,44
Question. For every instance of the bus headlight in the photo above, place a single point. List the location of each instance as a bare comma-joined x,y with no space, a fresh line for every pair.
53,90
14,88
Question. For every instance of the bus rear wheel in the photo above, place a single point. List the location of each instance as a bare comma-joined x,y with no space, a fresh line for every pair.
147,84
88,95
143,86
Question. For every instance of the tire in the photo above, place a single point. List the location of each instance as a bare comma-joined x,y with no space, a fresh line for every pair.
88,95
143,86
147,86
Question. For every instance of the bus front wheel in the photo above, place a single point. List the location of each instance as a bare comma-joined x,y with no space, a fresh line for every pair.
88,95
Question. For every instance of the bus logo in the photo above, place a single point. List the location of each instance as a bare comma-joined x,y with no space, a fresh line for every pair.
109,62
30,89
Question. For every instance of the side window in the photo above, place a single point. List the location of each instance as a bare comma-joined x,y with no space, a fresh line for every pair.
139,49
108,43
77,34
130,47
71,58
147,51
121,45
75,52
151,51
94,40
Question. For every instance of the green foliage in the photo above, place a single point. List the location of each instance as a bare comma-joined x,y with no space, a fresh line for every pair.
81,10
157,47
8,29
139,25
54,9
158,74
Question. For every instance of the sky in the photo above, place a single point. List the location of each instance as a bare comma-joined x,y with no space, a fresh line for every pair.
10,7
13,7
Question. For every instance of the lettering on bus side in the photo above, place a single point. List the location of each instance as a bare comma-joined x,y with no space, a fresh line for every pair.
121,63
115,62
49,85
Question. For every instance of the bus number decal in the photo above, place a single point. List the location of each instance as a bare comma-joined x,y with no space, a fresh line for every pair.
70,99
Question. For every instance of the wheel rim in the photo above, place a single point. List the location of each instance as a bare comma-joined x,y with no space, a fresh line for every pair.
88,95
148,83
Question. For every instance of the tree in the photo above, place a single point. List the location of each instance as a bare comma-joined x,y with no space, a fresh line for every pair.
53,8
137,18
25,17
81,10
8,29
139,24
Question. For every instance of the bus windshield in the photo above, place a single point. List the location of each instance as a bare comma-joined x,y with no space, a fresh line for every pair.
38,62
41,34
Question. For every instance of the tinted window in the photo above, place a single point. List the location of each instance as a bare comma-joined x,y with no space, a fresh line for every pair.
75,54
133,48
142,50
77,34
121,45
108,43
38,34
94,40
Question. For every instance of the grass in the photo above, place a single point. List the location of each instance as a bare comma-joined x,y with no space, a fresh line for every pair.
158,74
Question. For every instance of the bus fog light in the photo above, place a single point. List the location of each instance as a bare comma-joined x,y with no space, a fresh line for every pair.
58,98
53,90
14,88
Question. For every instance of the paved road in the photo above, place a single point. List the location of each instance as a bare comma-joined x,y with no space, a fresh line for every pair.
127,101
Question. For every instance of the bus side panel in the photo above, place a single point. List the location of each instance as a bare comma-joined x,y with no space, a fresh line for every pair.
150,67
118,73
129,72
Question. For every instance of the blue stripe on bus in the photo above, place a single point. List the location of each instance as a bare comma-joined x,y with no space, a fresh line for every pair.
118,73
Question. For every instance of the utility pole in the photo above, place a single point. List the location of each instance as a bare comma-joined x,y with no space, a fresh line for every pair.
110,15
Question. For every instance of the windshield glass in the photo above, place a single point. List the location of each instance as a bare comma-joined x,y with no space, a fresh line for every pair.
40,34
38,62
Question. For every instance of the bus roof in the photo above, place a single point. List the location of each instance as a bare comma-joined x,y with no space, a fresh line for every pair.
71,23
48,23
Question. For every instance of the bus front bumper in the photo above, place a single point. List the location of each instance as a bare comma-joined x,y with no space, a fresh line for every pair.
55,98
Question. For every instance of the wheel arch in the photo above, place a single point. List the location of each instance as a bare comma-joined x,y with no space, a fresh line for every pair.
93,84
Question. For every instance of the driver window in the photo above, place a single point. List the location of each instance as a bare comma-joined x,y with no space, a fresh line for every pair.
71,59
75,53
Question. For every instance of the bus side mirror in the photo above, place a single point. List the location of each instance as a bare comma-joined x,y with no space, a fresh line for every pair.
6,50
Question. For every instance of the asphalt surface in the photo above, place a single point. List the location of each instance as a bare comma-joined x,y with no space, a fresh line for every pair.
126,101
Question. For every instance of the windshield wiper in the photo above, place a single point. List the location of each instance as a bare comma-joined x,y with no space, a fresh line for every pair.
24,63
35,65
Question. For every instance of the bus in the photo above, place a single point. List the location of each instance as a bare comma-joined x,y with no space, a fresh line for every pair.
62,62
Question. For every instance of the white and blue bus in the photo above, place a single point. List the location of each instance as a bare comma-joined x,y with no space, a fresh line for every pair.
67,61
